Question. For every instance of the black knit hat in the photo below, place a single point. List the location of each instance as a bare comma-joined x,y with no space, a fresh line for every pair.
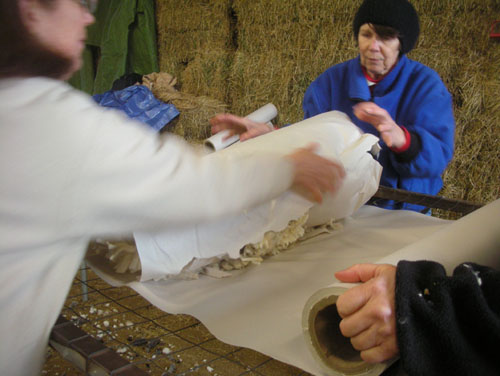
398,14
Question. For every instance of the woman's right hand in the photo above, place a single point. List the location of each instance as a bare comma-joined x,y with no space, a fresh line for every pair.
315,175
246,128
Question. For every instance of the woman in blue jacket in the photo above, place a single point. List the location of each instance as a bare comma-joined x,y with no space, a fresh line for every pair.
384,93
400,100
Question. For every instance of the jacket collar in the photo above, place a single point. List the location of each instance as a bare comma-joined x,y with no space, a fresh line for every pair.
358,88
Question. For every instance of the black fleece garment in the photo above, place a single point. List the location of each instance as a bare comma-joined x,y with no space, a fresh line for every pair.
448,325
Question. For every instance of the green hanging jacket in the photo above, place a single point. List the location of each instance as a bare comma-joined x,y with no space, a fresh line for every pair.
122,40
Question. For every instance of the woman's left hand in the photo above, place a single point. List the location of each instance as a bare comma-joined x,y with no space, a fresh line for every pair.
390,132
368,311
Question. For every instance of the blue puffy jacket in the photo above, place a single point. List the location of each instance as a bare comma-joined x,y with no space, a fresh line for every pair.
416,98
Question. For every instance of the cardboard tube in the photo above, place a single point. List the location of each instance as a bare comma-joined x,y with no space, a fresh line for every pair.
221,140
333,351
264,114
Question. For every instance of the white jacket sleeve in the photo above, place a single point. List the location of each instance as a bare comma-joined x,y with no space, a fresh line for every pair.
131,179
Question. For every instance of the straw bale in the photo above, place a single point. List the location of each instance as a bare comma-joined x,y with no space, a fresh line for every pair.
193,123
187,28
251,86
208,73
289,26
192,14
454,41
282,47
193,40
181,47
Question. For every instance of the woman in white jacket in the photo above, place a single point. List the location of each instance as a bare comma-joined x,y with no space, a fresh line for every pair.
71,170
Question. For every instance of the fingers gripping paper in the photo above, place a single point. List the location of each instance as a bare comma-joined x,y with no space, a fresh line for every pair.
167,253
474,238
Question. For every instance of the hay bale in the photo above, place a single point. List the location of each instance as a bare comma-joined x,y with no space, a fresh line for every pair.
290,26
282,47
251,88
188,33
454,41
208,74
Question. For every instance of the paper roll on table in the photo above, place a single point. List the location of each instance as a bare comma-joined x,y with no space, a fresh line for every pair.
320,320
262,115
333,351
271,296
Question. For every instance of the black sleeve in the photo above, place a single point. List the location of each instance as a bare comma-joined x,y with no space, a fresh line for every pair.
448,325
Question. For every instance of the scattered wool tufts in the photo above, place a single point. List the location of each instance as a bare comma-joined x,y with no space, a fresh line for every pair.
125,257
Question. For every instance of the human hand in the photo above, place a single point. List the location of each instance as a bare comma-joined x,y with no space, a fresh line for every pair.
368,311
246,128
314,175
392,134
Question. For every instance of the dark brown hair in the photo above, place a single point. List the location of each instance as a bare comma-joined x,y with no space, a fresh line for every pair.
20,54
385,32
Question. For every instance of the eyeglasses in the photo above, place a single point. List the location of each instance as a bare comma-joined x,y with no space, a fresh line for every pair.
90,5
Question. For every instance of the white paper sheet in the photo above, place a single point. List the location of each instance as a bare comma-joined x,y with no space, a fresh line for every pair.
261,307
166,253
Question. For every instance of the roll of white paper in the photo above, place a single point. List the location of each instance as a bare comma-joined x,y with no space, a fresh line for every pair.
221,140
449,246
333,352
264,114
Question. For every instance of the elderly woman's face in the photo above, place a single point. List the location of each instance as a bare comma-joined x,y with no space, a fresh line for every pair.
60,28
377,55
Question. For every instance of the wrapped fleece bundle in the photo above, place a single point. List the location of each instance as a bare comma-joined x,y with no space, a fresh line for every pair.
194,248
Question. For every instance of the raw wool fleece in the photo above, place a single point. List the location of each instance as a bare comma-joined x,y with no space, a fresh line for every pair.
124,257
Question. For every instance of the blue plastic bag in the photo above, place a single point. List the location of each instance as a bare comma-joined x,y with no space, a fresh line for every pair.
139,103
